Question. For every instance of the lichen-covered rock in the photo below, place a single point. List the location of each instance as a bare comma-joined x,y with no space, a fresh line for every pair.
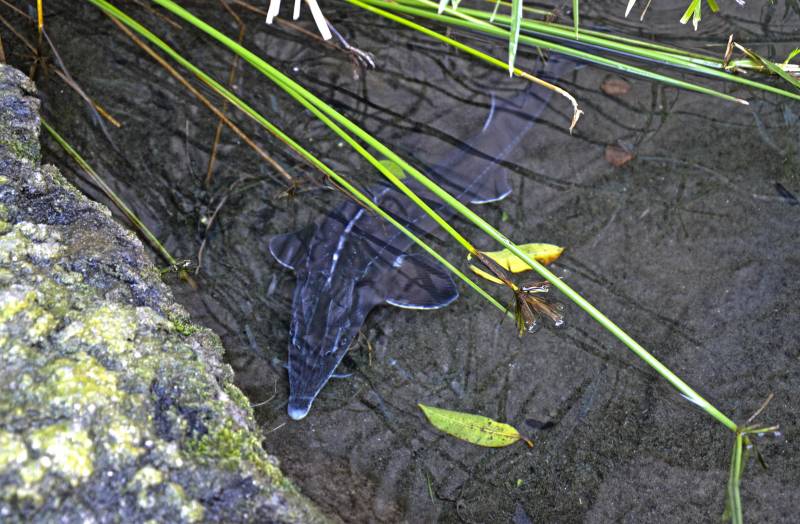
113,406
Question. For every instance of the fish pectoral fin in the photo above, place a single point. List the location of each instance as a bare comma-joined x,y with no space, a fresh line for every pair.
419,282
289,249
478,180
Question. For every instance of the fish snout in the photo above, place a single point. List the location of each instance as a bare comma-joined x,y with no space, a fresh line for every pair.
299,406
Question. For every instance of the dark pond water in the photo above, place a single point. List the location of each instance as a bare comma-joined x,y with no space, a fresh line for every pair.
691,247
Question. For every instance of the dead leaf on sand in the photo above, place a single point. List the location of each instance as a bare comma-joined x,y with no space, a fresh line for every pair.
615,86
617,156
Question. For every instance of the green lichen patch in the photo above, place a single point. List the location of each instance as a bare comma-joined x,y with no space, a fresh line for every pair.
14,300
110,325
13,451
65,449
122,440
26,241
182,325
235,448
80,384
143,482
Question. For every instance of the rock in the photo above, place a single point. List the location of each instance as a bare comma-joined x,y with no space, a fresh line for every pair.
114,407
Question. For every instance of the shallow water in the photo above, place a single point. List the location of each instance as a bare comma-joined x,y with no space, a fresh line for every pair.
691,247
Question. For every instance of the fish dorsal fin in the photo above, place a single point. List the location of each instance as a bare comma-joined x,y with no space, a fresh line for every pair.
419,282
291,248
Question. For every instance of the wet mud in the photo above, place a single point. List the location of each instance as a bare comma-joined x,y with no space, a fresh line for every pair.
690,246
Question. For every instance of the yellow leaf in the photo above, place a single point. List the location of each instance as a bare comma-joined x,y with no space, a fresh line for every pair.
475,429
543,253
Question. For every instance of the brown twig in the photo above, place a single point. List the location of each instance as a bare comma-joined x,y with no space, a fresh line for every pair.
231,78
760,409
17,10
158,13
210,222
185,83
59,69
76,87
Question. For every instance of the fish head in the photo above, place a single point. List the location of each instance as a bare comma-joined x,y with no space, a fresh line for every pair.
326,317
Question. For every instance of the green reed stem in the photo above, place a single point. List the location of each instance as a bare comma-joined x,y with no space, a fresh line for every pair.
462,209
266,124
478,21
99,182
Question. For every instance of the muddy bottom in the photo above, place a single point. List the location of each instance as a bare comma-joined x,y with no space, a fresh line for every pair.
691,247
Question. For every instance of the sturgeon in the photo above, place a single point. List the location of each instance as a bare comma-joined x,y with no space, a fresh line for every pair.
352,260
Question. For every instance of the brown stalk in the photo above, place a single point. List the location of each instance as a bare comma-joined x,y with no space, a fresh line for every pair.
185,83
231,77
158,13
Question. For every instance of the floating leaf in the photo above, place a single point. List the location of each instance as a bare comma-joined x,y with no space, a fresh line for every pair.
543,253
615,86
475,429
617,156
393,167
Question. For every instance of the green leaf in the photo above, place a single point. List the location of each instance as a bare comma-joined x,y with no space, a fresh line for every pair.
791,56
694,12
712,4
475,429
393,167
771,66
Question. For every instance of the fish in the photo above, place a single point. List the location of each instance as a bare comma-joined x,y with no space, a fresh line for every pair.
352,260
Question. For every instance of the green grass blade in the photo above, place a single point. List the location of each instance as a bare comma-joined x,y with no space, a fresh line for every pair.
497,6
314,161
106,189
544,44
695,62
513,37
733,503
293,87
576,16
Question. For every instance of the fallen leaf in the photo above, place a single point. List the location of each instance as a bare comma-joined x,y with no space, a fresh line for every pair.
393,167
542,253
615,86
616,156
475,429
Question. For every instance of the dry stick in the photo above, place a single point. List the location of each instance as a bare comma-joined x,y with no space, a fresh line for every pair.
19,36
2,53
77,88
101,184
62,73
231,77
100,109
17,10
210,222
160,14
185,83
